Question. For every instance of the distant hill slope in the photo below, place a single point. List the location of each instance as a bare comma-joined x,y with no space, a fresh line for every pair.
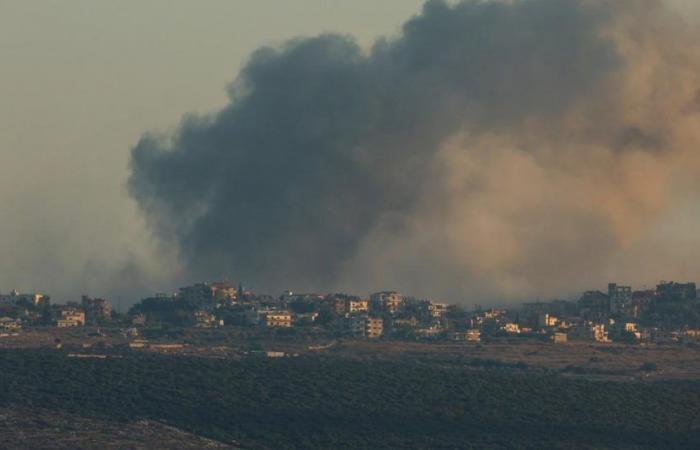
37,428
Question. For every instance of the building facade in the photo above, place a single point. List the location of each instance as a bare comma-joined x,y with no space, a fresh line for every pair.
367,327
620,299
280,319
71,318
389,301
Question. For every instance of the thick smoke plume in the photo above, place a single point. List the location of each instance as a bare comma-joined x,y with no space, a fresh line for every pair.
492,150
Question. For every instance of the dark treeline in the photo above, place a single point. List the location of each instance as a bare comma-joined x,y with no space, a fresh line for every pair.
328,402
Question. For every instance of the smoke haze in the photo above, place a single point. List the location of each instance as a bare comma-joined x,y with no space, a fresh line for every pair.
491,151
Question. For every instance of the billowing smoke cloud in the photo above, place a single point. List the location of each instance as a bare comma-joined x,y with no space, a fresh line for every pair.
491,150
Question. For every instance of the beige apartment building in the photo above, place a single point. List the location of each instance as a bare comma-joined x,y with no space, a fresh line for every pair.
369,327
282,319
71,318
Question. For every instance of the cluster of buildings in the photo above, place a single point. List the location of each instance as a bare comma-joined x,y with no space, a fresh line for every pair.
668,313
33,309
219,304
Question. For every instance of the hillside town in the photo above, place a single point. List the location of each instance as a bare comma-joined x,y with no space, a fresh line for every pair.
668,314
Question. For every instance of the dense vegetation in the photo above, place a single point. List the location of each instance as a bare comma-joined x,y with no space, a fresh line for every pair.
332,402
166,310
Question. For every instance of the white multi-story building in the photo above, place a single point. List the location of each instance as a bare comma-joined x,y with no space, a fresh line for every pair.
357,305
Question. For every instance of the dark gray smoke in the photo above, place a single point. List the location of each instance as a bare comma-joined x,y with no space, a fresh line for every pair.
326,150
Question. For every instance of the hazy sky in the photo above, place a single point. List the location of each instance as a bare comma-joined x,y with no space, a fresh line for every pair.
81,80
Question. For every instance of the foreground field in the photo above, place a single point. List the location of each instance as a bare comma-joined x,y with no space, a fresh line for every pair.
594,361
331,401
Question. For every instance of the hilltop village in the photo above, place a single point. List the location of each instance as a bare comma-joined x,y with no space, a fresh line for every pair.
668,314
